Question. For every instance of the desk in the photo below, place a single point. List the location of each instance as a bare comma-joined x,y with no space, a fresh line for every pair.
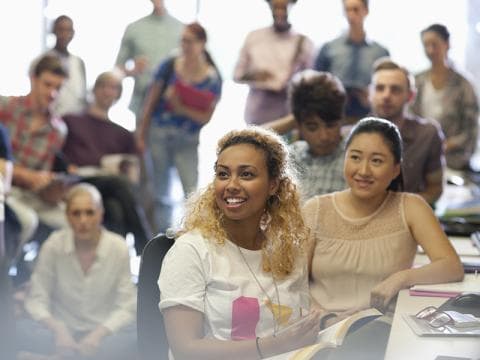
404,344
463,246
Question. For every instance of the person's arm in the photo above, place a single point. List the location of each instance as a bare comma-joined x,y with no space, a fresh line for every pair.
65,344
467,113
245,72
124,307
240,73
184,327
31,179
433,186
89,344
444,266
282,125
306,57
322,61
6,169
38,301
127,53
151,100
6,159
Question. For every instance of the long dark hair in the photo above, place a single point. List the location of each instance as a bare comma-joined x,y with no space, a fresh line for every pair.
392,138
440,30
201,34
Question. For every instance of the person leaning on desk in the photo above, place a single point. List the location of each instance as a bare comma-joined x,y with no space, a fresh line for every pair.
364,239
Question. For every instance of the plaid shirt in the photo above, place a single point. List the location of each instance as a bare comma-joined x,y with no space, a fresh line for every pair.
32,149
320,174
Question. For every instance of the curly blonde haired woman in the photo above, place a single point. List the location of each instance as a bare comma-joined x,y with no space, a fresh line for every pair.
237,274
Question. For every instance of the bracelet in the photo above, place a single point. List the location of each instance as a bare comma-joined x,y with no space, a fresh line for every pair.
324,319
258,347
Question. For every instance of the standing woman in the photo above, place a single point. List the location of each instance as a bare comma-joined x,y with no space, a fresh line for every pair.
181,99
448,97
236,276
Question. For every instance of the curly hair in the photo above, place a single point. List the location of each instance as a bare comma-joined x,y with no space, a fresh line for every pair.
286,234
317,93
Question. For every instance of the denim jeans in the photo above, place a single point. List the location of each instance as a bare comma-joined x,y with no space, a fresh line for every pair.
172,147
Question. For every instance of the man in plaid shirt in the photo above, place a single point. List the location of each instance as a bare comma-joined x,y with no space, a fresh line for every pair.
36,137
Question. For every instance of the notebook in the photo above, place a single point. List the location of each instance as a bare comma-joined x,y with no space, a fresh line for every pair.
471,283
194,98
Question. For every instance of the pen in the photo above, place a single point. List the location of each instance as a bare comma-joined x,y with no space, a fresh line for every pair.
475,237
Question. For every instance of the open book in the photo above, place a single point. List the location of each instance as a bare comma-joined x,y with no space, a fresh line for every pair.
332,336
126,165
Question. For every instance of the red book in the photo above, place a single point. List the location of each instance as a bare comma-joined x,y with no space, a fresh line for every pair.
193,97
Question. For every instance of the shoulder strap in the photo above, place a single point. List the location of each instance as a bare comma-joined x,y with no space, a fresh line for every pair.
167,74
298,49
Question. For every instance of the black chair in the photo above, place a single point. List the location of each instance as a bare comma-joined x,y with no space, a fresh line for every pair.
151,336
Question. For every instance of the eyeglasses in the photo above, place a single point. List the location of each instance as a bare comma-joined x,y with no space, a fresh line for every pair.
188,41
434,317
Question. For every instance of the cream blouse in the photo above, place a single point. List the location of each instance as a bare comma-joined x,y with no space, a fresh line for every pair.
351,256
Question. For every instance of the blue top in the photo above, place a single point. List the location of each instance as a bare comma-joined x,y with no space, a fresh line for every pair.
5,147
352,63
162,116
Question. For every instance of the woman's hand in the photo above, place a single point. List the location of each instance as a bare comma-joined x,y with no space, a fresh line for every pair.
174,101
64,342
384,292
89,344
299,334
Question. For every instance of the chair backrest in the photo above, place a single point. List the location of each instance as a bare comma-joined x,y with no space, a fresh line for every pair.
151,337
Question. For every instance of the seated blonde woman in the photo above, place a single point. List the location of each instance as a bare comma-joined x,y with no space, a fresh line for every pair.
236,276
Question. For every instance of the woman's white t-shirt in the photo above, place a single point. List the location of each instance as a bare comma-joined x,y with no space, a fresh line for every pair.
215,280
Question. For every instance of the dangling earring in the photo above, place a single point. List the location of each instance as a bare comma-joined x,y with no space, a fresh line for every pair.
265,220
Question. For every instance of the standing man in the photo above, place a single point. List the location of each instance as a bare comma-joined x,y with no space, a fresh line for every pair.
268,59
72,96
392,89
36,136
146,42
351,57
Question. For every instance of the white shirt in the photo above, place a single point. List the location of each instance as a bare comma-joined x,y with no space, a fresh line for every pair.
60,289
432,101
73,93
215,280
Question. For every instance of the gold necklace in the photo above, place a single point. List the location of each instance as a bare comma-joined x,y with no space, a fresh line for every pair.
272,305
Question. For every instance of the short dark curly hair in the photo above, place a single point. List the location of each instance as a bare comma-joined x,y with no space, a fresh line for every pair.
317,93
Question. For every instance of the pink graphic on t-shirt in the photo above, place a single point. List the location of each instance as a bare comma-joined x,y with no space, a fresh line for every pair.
245,317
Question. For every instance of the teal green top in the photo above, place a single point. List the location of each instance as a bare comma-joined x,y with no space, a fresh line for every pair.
154,37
